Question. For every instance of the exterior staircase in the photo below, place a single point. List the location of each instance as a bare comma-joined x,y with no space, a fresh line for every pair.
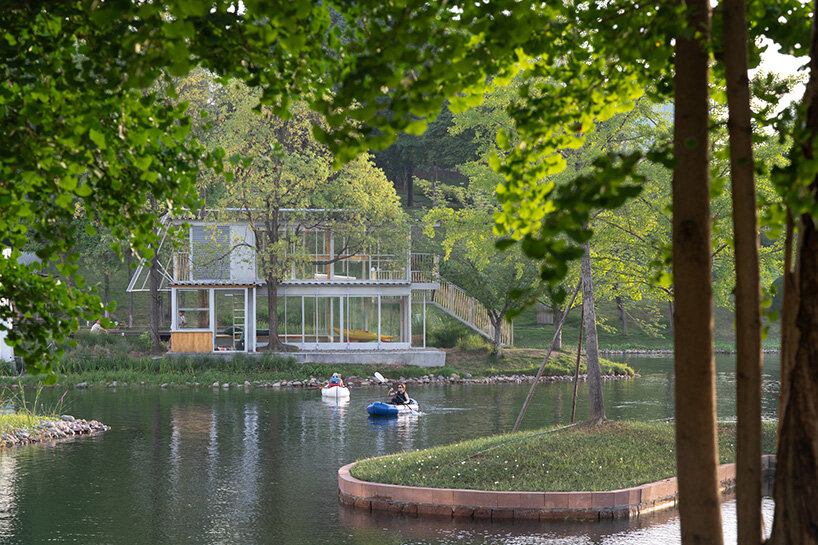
455,302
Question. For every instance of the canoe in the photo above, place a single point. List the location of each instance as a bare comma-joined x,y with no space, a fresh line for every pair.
334,391
388,409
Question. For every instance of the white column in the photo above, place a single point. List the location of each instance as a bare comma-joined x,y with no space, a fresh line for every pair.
379,320
174,314
424,318
212,312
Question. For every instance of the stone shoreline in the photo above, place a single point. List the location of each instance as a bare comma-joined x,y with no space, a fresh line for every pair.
354,381
64,428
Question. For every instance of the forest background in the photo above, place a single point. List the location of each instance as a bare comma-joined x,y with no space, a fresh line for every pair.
446,187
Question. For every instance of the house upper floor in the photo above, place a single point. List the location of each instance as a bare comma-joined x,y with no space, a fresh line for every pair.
302,252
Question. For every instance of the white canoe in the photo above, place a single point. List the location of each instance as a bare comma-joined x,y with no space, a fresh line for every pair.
335,391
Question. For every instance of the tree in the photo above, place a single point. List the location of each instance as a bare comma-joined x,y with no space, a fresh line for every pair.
279,174
76,130
502,281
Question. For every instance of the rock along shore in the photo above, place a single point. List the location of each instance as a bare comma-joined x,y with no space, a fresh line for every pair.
67,426
357,382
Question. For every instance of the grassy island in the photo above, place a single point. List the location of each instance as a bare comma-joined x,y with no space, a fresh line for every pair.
609,456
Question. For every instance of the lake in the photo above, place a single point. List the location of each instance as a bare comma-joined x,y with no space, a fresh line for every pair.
260,466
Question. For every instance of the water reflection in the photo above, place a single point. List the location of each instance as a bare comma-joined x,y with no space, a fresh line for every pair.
260,466
649,529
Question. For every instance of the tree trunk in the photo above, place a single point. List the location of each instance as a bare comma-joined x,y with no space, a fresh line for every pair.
558,338
796,477
696,445
596,404
155,306
748,283
671,310
275,344
497,324
106,292
623,318
410,190
272,278
128,257
204,302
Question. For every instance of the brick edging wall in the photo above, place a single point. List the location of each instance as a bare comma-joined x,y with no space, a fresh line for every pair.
486,504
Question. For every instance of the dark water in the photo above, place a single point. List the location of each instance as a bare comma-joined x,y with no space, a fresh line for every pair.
259,466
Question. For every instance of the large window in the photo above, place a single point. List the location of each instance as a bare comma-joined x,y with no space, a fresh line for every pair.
193,309
361,319
391,319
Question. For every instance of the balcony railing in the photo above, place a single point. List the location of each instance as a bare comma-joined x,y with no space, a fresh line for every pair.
423,268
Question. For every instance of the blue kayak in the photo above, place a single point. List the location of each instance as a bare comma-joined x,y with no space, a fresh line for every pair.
388,409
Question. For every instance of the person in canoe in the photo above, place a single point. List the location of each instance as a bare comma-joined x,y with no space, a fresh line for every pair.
335,381
399,397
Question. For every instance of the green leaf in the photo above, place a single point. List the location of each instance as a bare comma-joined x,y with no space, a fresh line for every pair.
97,138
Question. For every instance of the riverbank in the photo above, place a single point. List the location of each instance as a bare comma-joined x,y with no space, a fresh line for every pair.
103,366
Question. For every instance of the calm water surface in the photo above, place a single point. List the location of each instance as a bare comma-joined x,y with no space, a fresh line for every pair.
260,466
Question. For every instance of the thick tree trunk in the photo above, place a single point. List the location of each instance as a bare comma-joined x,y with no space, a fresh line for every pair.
796,477
596,404
696,445
275,344
748,284
497,325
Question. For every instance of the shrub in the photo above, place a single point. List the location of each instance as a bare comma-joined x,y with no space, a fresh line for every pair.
447,334
472,342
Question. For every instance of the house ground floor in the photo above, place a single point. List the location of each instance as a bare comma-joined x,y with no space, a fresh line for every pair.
325,323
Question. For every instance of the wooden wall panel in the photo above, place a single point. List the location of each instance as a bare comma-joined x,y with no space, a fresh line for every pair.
191,341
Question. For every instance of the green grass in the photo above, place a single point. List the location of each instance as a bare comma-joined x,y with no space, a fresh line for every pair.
102,359
610,456
529,334
27,413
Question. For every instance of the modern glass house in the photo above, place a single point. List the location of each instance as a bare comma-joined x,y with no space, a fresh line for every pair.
333,297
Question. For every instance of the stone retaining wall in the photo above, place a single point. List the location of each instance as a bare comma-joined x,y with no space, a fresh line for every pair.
485,504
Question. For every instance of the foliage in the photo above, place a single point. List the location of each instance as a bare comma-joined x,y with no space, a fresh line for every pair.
553,459
77,130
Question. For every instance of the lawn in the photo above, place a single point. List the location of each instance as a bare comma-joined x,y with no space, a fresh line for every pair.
610,456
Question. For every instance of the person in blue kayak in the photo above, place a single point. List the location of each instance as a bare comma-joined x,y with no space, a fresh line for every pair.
400,397
335,381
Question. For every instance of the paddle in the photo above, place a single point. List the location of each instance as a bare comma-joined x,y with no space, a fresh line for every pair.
382,380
